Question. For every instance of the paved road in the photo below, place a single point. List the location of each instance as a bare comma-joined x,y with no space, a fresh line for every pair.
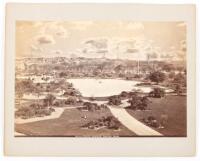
131,123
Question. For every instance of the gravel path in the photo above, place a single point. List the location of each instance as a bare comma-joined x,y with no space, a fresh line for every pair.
131,123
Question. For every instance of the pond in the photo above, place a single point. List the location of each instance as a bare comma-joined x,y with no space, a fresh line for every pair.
105,87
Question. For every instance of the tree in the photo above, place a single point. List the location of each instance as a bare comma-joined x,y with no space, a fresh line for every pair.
49,99
178,89
180,79
19,94
157,93
118,68
71,100
137,102
157,77
171,75
114,100
168,67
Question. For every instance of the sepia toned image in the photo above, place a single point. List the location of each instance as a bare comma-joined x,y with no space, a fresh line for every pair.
100,78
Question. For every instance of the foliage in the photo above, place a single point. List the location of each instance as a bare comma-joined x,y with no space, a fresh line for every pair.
109,122
171,75
157,77
25,86
114,100
33,110
71,100
180,79
138,102
92,106
168,67
151,121
157,93
178,89
49,99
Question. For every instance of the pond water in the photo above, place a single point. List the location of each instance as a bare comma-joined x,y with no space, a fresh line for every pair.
105,87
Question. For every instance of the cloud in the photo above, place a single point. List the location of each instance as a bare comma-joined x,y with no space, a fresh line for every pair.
98,43
102,51
132,51
135,26
81,25
57,52
45,39
53,28
61,32
35,48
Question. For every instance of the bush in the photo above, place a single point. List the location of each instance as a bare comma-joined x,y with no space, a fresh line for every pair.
71,101
138,103
157,93
34,110
49,100
178,89
168,67
163,119
180,79
157,77
151,121
110,122
56,104
114,100
91,106
124,94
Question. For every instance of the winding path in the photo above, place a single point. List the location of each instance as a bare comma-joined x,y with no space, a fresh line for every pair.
131,123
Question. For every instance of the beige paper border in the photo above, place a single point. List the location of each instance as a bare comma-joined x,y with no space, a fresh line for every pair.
63,146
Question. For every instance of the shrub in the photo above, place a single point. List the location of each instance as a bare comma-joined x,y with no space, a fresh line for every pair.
138,103
124,94
71,101
151,121
157,93
110,122
163,119
178,89
90,106
49,99
114,100
34,110
157,77
56,104
180,79
171,75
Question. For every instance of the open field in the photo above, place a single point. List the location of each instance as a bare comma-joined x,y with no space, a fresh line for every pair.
69,124
174,107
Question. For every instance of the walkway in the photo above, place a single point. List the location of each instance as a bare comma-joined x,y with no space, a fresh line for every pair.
131,123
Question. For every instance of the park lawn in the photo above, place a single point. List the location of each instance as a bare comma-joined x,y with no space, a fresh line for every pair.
69,124
174,107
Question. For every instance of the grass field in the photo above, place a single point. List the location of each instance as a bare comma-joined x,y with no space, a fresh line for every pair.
174,107
69,124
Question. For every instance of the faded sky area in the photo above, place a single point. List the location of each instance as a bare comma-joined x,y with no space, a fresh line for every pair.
97,39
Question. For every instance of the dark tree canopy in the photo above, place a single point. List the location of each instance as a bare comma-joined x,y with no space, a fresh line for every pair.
157,77
157,93
49,99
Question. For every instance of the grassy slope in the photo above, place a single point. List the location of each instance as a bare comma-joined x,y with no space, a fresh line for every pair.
174,107
69,125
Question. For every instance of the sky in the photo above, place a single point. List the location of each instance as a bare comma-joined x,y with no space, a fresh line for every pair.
97,39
